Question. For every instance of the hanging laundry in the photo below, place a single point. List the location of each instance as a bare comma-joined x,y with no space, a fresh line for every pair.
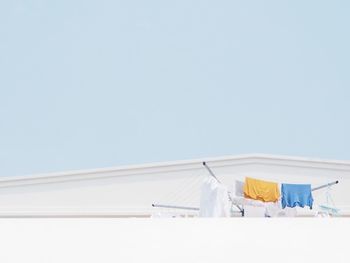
214,200
165,215
287,212
261,190
329,207
254,211
296,195
271,208
238,188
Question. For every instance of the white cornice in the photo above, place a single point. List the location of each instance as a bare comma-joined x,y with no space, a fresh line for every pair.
105,212
154,168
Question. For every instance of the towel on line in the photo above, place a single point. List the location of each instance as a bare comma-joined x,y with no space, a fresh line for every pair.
261,190
296,195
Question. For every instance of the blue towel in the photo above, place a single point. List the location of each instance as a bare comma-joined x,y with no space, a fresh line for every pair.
296,195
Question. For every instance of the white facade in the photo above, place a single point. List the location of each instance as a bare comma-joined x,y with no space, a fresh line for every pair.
131,190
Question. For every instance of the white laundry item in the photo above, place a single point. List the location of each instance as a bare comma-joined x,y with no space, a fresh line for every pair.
287,212
239,185
322,214
272,209
251,202
254,211
214,200
164,215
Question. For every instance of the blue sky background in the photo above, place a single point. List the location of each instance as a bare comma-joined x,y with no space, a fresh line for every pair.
87,84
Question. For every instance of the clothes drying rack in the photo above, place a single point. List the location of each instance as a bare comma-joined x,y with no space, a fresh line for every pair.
240,208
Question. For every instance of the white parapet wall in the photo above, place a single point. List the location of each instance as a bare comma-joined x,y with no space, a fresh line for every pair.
131,190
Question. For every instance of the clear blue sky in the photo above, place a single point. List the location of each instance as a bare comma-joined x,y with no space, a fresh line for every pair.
88,84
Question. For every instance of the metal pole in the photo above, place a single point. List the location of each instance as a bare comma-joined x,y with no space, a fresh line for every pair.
324,186
176,207
211,172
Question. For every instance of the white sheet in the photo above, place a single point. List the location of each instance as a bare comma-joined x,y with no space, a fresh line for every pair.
254,211
214,200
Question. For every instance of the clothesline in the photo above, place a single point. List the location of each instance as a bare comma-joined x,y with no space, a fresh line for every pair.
313,189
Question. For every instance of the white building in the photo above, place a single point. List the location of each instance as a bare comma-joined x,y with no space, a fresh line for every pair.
131,190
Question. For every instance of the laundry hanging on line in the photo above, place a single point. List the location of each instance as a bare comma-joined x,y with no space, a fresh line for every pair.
261,190
296,195
293,195
214,200
272,209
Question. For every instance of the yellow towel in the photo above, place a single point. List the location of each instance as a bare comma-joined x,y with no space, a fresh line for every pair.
261,190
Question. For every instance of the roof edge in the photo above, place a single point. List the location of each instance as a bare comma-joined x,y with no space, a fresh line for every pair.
173,166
